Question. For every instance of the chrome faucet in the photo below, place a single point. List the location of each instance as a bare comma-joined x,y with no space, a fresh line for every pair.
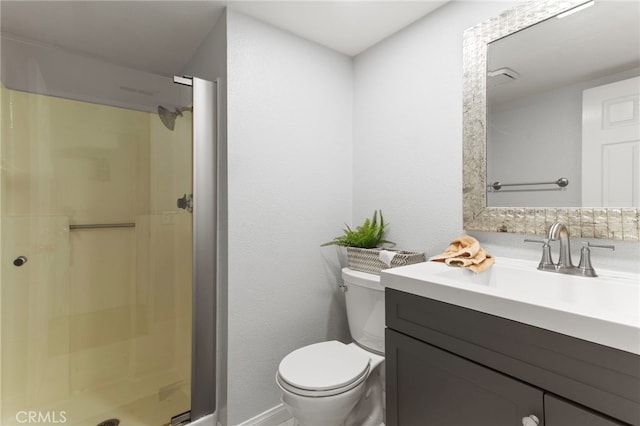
558,231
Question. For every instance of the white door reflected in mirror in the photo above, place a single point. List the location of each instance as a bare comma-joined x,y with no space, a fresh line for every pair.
611,145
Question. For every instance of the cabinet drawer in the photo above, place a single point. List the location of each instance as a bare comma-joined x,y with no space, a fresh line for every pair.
604,379
559,412
427,386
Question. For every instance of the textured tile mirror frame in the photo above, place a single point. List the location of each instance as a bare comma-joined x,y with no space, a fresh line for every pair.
601,223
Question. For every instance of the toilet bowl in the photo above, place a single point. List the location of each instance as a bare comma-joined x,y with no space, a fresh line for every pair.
323,383
336,384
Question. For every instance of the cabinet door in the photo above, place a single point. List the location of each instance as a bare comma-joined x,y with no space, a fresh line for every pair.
427,386
558,412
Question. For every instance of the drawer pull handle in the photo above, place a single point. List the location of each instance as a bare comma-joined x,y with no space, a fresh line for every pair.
530,420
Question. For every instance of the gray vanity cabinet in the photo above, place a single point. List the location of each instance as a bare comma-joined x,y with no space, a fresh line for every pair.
451,366
434,387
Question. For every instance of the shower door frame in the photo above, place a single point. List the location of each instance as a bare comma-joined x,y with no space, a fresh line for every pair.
205,241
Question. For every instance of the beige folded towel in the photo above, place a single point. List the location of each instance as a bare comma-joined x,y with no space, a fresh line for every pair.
466,252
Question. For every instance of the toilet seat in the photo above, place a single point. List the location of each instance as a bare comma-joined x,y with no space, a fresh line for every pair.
323,369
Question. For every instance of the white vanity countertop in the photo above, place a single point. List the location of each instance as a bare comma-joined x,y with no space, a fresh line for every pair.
604,310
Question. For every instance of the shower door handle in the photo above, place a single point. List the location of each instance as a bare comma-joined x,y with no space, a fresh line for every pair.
186,202
20,260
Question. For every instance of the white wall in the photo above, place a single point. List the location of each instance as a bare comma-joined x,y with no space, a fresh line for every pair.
290,173
408,127
210,59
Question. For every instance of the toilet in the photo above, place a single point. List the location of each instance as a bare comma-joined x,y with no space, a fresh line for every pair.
336,384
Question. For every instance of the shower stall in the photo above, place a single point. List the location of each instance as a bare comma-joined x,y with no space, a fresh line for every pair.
108,248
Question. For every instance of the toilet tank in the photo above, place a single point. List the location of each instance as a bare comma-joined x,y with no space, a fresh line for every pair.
364,297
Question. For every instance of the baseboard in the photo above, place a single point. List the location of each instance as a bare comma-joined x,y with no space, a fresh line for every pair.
272,417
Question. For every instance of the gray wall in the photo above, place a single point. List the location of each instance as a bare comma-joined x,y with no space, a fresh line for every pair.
408,127
289,162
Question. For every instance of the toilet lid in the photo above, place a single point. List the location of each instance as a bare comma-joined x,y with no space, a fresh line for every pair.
323,366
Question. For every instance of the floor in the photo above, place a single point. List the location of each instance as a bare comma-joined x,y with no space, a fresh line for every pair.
287,423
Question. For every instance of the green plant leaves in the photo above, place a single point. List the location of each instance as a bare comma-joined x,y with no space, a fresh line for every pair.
368,235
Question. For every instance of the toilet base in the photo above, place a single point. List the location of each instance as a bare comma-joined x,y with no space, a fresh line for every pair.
370,410
329,411
367,408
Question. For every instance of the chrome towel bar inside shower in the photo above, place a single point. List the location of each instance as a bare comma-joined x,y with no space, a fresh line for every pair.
102,225
496,186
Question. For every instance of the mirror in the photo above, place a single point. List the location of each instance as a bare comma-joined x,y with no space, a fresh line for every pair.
538,107
494,46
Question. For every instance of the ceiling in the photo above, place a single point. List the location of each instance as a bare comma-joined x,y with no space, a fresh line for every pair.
161,36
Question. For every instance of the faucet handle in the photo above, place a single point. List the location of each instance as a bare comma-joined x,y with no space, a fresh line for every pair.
604,246
546,264
585,258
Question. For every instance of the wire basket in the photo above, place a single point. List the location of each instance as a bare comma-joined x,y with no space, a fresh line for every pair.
367,260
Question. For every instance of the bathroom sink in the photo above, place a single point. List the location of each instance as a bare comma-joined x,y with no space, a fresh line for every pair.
604,310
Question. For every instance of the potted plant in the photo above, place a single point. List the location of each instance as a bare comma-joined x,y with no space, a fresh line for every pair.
368,235
364,247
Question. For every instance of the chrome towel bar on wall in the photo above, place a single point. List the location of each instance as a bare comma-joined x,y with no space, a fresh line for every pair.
102,225
561,183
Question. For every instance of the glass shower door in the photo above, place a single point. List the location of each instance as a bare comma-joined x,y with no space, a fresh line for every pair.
95,260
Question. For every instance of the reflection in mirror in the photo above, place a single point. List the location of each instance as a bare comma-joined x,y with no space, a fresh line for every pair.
615,109
562,102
